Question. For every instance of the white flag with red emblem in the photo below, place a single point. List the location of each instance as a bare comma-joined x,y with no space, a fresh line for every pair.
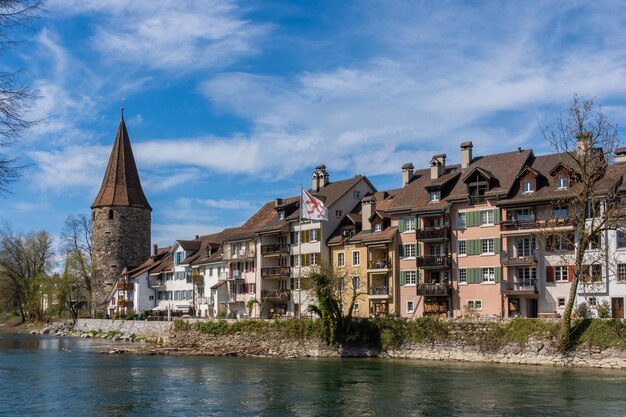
312,208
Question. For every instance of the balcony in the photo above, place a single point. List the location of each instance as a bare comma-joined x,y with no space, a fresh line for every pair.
433,234
240,254
378,265
433,262
204,300
378,292
522,287
124,286
124,303
236,274
276,249
524,224
275,294
222,276
433,290
276,272
476,200
529,260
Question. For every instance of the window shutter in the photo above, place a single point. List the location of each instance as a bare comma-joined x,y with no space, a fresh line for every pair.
571,270
245,288
498,273
496,216
474,247
473,218
402,277
401,251
497,245
549,274
471,272
401,225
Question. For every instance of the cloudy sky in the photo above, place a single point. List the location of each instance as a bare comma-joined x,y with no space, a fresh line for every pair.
229,104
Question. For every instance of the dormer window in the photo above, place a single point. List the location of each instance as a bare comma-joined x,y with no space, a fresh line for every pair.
378,227
561,182
528,186
281,215
434,196
356,194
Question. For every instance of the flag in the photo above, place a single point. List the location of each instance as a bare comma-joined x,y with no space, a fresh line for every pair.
312,208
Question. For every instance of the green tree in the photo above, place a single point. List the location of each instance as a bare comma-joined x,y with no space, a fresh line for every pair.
76,246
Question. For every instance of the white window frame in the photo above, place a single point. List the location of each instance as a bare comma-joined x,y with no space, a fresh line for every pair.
460,224
378,227
314,259
528,184
561,273
410,306
561,182
356,282
462,248
462,275
412,250
356,256
411,277
313,234
486,218
434,196
410,224
488,274
490,246
560,302
341,259
621,273
475,304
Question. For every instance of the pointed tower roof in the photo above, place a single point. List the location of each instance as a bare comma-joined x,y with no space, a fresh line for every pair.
121,185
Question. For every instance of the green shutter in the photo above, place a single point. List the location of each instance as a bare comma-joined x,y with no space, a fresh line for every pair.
471,275
473,247
497,246
402,277
401,251
498,274
496,216
401,225
470,219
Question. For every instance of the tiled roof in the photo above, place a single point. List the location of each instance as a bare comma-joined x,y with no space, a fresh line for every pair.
121,185
414,195
368,236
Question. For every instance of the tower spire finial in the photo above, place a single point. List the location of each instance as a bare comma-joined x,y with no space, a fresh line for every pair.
122,111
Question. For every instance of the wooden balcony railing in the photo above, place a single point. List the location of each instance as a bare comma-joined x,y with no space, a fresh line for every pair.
433,233
435,261
433,290
378,264
536,223
275,294
273,249
276,272
124,286
379,291
522,286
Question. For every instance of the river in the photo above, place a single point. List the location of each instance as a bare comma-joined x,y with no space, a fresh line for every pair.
69,377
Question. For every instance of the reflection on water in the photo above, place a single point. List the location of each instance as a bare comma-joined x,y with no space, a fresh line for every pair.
55,376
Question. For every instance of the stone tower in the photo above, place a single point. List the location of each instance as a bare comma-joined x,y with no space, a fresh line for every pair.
120,220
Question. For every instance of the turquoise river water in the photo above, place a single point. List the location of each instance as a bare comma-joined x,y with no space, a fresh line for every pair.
70,377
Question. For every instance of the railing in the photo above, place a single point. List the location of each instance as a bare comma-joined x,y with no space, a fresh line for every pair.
433,233
276,272
379,264
276,248
240,254
536,223
236,274
275,294
124,303
476,200
435,261
123,286
379,291
222,276
204,300
521,260
523,285
432,290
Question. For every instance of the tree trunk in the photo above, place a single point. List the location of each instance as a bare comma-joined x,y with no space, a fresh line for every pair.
566,330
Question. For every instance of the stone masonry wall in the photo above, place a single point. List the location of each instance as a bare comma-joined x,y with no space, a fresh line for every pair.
128,327
123,241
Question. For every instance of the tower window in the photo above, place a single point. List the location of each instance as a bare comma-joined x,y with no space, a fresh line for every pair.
110,214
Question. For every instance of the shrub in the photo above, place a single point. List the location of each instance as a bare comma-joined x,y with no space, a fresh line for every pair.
603,310
582,311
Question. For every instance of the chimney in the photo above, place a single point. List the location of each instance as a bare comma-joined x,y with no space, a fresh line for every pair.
320,178
620,155
437,166
278,202
584,142
466,154
155,249
368,207
407,173
197,237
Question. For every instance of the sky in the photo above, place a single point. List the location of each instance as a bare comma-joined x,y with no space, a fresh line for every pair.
231,104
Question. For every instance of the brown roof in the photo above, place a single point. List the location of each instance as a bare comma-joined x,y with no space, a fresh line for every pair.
121,185
414,195
368,236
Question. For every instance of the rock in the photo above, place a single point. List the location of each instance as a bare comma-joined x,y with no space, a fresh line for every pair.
34,332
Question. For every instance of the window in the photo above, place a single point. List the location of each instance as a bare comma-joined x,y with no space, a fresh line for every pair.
110,214
356,258
486,217
341,259
338,213
151,297
561,182
411,277
529,186
462,276
378,227
314,258
477,194
593,209
189,294
621,273
489,275
357,307
434,196
435,250
561,302
356,283
560,243
594,242
460,222
409,251
283,284
474,304
313,234
527,275
486,246
525,247
596,273
524,215
592,301
356,194
560,273
409,306
296,260
560,211
281,215
409,224
251,288
621,239
462,247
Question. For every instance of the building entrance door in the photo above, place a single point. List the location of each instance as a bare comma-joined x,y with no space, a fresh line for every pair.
532,307
617,307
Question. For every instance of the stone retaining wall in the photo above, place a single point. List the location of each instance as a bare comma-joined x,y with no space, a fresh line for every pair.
128,327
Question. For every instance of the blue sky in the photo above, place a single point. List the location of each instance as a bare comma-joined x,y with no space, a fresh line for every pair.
229,104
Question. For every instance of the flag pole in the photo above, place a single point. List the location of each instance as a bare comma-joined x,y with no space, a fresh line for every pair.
300,256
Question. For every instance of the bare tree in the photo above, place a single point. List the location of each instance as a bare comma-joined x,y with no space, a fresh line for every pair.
76,245
15,97
25,262
586,141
